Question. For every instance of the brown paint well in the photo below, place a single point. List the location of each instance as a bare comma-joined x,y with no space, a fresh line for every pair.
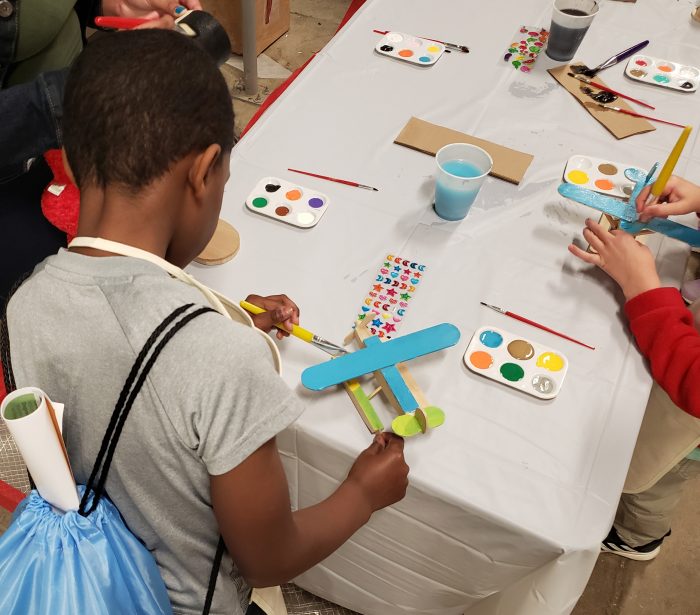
607,169
520,349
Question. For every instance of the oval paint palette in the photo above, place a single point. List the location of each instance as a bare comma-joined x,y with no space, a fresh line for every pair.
599,175
663,73
516,362
413,49
291,203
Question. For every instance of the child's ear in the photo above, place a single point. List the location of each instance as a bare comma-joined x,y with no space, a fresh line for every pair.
202,168
66,166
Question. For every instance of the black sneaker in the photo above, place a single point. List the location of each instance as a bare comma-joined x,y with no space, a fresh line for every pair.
614,544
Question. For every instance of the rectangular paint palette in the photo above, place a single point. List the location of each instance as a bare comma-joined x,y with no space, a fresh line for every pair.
287,202
663,73
599,175
516,362
408,48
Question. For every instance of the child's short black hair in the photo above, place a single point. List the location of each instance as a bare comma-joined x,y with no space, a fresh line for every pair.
138,101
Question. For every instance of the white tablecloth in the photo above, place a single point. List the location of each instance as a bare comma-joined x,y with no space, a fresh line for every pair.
508,501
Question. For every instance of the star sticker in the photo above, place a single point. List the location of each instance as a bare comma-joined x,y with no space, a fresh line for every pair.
417,274
407,271
397,268
389,327
391,292
405,296
387,264
378,288
377,322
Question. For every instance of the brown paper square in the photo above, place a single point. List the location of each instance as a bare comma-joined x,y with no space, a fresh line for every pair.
508,164
619,124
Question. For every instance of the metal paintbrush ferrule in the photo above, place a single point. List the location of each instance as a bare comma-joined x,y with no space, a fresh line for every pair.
329,347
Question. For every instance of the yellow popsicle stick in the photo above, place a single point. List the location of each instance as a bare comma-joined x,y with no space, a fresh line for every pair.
670,163
297,331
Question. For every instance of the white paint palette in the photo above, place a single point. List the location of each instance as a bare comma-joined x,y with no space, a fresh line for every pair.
599,175
656,71
408,48
516,362
287,202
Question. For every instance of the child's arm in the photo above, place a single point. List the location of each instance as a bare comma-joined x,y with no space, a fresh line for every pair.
678,197
666,335
271,544
661,324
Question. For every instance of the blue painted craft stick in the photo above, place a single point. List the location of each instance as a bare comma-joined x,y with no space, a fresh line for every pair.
608,205
373,358
666,227
396,383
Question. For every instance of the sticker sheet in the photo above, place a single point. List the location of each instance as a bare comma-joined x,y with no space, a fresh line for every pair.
525,47
388,298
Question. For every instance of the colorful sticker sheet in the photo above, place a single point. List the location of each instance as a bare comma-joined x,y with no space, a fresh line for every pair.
526,46
393,288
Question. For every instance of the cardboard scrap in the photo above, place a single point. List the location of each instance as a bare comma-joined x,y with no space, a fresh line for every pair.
508,164
619,124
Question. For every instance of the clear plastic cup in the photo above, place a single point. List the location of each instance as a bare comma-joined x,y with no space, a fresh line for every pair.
461,170
570,22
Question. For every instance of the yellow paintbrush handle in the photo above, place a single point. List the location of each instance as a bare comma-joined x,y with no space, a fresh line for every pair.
297,331
669,165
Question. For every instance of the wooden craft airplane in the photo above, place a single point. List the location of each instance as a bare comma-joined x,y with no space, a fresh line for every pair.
384,360
626,211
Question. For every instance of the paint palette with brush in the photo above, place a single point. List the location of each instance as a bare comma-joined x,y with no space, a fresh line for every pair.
408,48
516,362
287,202
599,175
656,71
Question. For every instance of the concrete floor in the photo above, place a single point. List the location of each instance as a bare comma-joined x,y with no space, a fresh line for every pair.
618,586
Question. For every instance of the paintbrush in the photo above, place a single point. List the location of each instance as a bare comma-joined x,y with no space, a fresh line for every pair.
623,55
670,163
120,23
605,88
646,117
527,321
452,46
347,182
303,334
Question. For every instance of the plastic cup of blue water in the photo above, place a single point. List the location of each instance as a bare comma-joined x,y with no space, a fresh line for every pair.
461,169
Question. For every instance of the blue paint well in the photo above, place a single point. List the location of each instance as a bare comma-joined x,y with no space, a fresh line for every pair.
491,339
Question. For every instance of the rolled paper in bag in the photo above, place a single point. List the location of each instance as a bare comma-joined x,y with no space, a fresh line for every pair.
32,420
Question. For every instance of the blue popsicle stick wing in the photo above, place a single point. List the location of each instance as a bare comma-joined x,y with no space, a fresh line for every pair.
601,202
379,356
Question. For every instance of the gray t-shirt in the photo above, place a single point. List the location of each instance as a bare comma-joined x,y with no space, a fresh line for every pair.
212,398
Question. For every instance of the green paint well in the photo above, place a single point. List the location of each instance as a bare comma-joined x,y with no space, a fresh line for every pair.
512,372
259,202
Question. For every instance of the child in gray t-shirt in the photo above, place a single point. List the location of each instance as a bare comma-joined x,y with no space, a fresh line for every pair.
148,131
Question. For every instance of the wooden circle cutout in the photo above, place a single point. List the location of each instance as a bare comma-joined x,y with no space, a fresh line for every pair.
222,247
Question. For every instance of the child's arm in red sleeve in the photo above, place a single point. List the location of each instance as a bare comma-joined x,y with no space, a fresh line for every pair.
666,335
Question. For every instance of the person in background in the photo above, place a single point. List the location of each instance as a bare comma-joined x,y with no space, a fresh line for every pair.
667,334
38,41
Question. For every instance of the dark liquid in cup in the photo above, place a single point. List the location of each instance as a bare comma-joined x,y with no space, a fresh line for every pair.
563,42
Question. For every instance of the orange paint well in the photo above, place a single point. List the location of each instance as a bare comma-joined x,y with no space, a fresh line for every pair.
405,53
604,184
481,359
293,195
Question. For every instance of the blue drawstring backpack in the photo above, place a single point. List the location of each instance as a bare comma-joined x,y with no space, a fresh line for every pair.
87,561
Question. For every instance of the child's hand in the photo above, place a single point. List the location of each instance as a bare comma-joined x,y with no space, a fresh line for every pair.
381,472
621,256
280,310
678,197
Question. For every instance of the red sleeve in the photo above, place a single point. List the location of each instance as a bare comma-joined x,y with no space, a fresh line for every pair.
666,335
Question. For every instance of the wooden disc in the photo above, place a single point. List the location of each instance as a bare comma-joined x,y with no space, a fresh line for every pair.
222,247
